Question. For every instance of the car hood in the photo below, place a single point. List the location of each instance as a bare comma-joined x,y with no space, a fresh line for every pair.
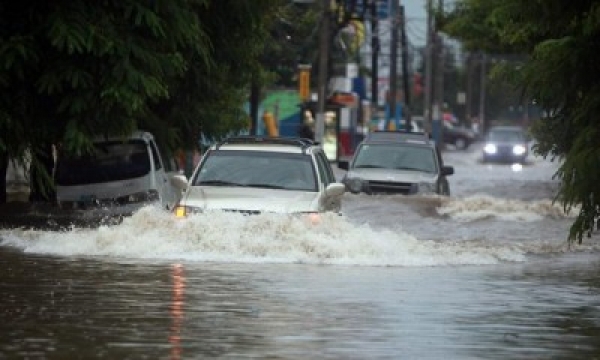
251,199
391,175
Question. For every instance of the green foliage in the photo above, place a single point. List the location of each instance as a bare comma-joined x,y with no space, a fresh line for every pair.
71,70
561,74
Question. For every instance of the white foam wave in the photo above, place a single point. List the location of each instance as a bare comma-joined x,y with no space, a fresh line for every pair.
479,207
230,237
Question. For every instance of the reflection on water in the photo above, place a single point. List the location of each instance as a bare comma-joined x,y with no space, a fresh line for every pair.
177,314
84,308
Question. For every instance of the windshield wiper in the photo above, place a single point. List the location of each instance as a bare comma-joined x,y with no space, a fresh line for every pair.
265,186
409,168
369,167
219,183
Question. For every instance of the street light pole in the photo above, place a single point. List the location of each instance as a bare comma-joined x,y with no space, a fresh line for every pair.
428,91
374,55
322,75
393,94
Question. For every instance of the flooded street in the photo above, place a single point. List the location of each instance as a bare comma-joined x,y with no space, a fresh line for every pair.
484,274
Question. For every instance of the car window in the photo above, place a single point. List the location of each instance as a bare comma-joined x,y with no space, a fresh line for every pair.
109,161
325,171
169,162
262,169
157,163
396,156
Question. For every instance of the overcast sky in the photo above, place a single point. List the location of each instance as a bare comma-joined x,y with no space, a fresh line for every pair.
416,16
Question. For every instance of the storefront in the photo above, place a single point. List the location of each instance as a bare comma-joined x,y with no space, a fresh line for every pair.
343,124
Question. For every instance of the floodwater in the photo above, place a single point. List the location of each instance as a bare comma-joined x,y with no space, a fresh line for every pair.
484,274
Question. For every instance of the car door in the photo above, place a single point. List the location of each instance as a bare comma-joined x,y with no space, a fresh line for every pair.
162,175
326,177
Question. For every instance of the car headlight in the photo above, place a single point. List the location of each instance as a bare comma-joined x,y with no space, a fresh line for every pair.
314,218
490,149
182,211
427,188
519,150
355,185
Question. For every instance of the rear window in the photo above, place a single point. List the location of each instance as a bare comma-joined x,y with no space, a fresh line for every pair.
109,161
396,156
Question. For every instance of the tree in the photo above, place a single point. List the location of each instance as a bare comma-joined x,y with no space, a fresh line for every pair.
72,70
560,73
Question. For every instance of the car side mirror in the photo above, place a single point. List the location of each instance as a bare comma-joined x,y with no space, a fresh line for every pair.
180,181
335,189
447,170
342,164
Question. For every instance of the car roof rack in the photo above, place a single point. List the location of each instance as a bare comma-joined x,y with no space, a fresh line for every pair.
398,135
260,139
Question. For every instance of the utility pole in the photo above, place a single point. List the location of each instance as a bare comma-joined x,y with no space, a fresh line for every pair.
405,73
482,119
322,75
469,95
438,121
393,63
428,91
374,55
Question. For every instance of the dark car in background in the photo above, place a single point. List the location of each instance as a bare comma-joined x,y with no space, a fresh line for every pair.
506,144
459,136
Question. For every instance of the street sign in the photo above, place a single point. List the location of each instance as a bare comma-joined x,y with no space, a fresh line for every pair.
383,7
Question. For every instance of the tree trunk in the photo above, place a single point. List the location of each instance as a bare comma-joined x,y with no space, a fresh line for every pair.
42,190
3,169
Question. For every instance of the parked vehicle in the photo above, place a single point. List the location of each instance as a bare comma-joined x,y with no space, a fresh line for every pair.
460,137
256,174
125,173
506,144
397,162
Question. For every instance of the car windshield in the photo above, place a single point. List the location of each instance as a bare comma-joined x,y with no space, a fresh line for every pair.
396,156
261,169
506,136
109,161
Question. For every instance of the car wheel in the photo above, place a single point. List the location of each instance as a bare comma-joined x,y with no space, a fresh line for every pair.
461,143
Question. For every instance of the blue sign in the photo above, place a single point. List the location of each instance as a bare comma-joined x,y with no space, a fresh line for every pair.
383,7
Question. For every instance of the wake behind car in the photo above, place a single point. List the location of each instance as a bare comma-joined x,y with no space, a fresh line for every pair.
256,174
122,174
506,144
396,162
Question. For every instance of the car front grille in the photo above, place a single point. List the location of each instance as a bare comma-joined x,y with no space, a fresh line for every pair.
388,187
505,150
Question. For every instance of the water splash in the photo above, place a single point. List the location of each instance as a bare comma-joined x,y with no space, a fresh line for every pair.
268,238
479,207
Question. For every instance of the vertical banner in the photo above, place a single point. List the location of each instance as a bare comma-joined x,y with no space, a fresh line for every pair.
304,82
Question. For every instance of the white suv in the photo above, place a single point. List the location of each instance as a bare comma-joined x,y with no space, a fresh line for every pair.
254,174
122,174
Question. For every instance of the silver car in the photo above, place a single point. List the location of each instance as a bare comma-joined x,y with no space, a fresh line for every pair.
254,174
396,162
